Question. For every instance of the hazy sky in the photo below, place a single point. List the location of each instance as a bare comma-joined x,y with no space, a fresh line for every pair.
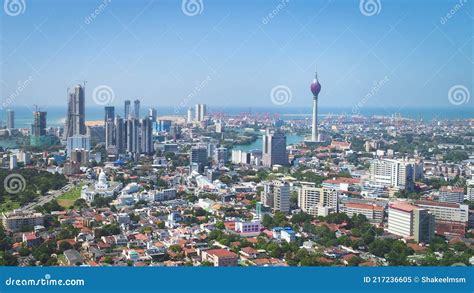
233,53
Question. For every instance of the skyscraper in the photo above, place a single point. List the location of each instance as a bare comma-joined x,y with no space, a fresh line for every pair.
198,157
136,109
190,113
119,134
274,149
132,127
146,136
315,89
152,114
75,118
10,119
200,112
126,113
109,126
38,128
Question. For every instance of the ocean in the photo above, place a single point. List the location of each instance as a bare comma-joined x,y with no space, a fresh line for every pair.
56,115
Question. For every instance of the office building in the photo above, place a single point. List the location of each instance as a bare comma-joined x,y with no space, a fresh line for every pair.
14,221
109,126
75,117
77,142
411,222
189,118
10,119
152,114
126,113
221,155
136,109
199,157
200,112
146,136
444,211
38,128
119,134
274,149
451,194
132,132
276,194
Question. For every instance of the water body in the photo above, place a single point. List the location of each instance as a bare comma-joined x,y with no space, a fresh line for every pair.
257,145
56,115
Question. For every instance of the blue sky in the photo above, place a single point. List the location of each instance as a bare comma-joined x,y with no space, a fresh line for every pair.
404,55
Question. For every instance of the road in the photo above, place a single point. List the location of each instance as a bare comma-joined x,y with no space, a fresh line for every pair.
47,198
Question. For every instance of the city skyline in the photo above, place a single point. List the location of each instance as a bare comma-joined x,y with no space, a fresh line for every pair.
172,60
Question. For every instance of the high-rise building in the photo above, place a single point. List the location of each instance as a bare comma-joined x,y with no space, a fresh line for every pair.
317,201
136,109
274,149
394,173
221,155
126,113
77,142
146,136
276,194
109,126
75,118
38,128
132,131
201,112
410,221
315,89
10,119
198,157
152,114
120,141
190,113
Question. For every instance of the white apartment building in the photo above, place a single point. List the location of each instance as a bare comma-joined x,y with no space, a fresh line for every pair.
312,200
276,194
394,173
450,212
372,212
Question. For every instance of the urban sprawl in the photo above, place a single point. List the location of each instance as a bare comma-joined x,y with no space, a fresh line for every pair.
150,190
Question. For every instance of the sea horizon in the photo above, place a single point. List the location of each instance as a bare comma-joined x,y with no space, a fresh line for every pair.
56,114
